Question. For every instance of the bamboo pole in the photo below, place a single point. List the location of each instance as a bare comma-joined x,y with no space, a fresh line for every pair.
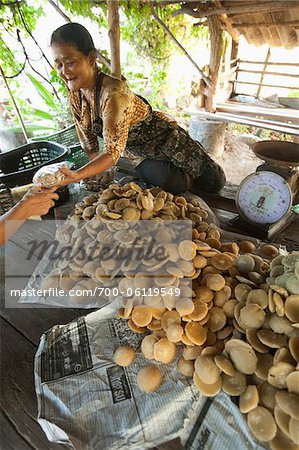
18,112
114,36
166,29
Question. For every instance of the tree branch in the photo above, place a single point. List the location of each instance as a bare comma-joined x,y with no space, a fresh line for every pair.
185,10
56,7
166,29
32,37
28,60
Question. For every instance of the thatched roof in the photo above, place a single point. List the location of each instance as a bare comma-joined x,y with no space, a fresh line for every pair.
261,22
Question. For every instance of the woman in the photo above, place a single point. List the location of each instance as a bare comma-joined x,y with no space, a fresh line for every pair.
36,202
164,154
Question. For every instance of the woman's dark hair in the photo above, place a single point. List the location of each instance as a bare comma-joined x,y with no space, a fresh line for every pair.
76,35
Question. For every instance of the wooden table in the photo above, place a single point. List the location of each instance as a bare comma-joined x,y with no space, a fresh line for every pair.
21,330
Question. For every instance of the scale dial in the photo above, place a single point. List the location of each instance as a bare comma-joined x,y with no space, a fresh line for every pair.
263,198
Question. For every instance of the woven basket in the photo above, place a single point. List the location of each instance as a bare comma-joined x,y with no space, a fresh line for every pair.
67,137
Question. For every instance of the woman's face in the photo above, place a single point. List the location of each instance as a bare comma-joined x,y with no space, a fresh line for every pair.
76,69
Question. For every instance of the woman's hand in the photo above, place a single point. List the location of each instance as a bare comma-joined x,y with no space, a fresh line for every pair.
71,176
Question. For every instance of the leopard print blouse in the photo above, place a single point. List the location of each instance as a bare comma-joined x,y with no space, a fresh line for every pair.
119,109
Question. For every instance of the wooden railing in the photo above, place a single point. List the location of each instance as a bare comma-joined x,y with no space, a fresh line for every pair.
265,72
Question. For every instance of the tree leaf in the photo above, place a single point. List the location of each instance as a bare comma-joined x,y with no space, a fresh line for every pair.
30,127
43,92
40,114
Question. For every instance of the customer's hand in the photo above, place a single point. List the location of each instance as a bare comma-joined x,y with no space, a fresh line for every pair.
71,176
37,201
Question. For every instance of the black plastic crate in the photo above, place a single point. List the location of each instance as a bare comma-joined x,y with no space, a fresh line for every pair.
18,166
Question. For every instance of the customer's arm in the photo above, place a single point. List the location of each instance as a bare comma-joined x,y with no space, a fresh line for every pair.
36,202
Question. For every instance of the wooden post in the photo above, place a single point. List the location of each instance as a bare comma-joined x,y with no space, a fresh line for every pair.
114,36
18,112
234,57
215,58
263,72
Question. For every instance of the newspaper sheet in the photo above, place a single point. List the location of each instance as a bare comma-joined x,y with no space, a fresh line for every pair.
89,403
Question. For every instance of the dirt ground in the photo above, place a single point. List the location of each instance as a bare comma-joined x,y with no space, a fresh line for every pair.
237,160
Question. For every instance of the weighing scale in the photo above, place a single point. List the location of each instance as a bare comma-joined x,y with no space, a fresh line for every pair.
264,199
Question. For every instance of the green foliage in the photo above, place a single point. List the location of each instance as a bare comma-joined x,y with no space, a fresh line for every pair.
201,33
94,10
42,91
294,94
32,128
58,83
157,84
13,16
58,111
138,27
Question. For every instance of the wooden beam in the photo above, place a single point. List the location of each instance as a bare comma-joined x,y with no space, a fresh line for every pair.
241,9
268,124
270,73
266,24
227,22
114,36
272,63
289,23
158,3
172,37
267,85
279,113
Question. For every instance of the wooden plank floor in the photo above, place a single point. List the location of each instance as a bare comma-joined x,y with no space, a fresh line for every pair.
21,330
